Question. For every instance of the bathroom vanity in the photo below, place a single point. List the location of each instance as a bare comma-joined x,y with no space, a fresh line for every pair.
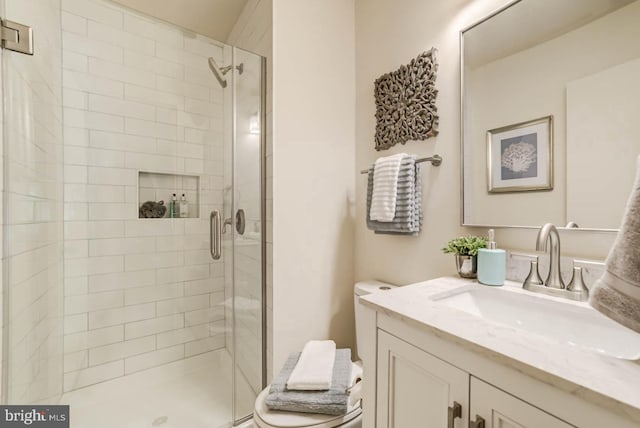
450,352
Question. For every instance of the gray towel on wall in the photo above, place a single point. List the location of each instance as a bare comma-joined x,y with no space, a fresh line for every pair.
334,401
617,293
408,215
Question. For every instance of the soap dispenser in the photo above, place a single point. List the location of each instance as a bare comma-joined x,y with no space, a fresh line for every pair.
491,263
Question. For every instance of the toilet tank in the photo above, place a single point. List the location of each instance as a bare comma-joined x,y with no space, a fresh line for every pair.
362,289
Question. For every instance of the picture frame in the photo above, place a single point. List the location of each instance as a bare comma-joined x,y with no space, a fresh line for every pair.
520,157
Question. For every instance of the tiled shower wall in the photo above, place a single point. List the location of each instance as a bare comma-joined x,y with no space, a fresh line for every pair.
32,264
138,95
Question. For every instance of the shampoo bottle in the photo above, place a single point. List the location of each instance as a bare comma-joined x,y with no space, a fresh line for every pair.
184,207
172,207
491,263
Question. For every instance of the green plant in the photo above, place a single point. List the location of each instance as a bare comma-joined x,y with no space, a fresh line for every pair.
465,245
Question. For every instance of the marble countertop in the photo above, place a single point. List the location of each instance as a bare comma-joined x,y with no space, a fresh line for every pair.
605,381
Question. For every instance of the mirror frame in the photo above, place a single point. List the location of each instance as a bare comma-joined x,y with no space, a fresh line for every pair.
462,116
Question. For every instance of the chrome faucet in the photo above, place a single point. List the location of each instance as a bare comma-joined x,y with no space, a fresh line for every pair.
549,233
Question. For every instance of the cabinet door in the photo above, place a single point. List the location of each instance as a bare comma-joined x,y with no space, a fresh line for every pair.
416,389
502,410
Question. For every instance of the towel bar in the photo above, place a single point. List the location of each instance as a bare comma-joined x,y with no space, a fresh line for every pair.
436,160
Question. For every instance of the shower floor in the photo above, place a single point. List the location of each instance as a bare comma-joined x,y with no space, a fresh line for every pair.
191,393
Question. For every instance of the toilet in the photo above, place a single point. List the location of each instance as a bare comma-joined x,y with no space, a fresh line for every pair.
265,418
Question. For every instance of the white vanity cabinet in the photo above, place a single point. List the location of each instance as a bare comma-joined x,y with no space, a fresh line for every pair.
417,389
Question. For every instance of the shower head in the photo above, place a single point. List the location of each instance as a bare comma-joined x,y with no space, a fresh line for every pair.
219,73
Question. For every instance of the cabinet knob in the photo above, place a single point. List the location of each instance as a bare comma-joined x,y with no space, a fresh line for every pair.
455,411
478,423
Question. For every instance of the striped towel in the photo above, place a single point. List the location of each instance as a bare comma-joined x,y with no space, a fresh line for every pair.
385,188
408,215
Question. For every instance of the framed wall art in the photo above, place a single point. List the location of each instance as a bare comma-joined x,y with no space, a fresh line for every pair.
520,156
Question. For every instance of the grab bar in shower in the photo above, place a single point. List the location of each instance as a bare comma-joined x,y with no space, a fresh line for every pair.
215,235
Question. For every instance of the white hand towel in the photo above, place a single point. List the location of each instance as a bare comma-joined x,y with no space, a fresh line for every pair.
385,188
355,390
314,369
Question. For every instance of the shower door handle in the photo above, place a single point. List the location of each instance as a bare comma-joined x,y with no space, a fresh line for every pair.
215,235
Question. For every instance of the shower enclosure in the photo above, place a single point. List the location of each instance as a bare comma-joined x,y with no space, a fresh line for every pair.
133,217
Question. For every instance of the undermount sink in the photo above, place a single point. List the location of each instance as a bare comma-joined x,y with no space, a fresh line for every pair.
576,325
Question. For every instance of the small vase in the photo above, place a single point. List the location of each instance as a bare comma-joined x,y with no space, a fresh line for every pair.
467,266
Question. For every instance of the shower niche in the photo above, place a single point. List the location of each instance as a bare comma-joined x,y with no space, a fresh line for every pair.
156,191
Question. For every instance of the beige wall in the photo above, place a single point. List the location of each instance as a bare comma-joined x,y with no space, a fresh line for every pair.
389,34
314,170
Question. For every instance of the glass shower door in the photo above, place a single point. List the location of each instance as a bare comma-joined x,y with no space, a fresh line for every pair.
248,232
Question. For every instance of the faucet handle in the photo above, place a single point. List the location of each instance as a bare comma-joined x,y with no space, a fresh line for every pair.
534,276
577,284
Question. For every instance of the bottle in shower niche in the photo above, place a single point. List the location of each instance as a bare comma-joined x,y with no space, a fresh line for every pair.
184,206
172,207
491,263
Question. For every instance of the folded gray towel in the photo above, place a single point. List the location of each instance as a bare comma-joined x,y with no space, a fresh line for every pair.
335,401
408,215
617,293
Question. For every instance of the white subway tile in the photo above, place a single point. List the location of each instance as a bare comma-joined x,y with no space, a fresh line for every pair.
76,249
202,47
93,375
153,359
193,120
75,174
153,64
152,293
153,260
179,87
74,99
193,166
208,285
180,56
184,242
182,273
153,326
113,176
93,193
119,72
121,350
93,229
204,345
183,335
75,323
195,136
74,23
95,11
112,211
93,302
150,129
121,280
201,107
122,143
204,316
93,265
75,286
93,84
91,48
161,33
120,107
92,120
182,304
76,361
107,247
165,115
154,163
121,38
153,96
115,316
91,339
75,62
76,137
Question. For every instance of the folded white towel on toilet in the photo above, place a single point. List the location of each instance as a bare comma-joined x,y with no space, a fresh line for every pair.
385,188
314,369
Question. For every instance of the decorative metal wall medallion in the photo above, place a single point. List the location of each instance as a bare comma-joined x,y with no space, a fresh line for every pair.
406,102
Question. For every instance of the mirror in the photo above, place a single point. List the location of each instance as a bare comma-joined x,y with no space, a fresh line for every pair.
550,113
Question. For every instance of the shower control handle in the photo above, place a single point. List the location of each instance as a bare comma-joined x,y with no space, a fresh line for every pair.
215,234
240,222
